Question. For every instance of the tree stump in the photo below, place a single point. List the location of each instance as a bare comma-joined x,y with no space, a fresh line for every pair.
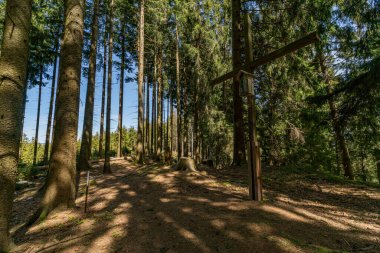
186,164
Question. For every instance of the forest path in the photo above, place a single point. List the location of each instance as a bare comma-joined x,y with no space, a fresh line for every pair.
151,208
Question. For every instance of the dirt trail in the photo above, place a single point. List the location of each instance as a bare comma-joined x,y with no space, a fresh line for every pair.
153,209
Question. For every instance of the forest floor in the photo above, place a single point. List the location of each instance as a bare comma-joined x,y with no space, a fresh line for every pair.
152,208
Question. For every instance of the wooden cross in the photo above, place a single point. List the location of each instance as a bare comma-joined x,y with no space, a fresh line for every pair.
246,72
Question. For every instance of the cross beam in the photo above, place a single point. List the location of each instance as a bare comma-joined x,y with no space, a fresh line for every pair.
252,65
254,161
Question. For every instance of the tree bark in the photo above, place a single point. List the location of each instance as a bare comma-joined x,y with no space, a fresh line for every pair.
337,126
346,160
377,162
60,189
159,105
162,132
171,122
121,94
85,150
167,145
154,108
139,146
101,131
13,75
179,113
143,119
38,117
186,121
51,106
147,127
22,123
107,165
196,138
239,145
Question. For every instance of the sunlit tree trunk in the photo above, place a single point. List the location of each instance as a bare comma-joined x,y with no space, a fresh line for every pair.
139,151
147,127
38,116
85,150
60,189
107,165
13,73
178,81
239,146
102,111
51,105
121,94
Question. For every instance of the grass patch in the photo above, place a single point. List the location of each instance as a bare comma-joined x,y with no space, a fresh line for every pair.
76,220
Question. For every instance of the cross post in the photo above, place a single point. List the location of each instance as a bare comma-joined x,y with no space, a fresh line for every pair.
245,74
254,164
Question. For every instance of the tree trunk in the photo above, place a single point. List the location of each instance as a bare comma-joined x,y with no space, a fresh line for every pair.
196,122
377,162
147,116
162,132
167,145
192,139
337,126
154,108
143,119
13,74
101,131
346,160
121,94
60,189
51,106
186,121
107,165
85,150
38,117
239,146
140,85
196,109
159,105
179,114
22,123
362,166
171,122
337,157
166,118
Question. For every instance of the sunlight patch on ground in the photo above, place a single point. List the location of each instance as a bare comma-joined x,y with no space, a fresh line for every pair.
153,209
283,213
284,244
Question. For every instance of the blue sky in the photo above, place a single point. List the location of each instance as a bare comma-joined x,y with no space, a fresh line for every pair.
129,113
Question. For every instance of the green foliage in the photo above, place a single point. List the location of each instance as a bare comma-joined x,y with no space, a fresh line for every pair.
294,119
128,144
47,18
27,150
